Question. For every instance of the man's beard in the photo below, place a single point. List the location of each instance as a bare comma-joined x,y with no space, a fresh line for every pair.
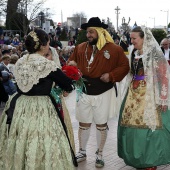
94,42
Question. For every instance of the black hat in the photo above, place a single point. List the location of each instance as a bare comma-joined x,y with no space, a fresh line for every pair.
94,22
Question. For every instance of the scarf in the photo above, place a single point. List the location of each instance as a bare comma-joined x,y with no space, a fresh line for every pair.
103,37
30,68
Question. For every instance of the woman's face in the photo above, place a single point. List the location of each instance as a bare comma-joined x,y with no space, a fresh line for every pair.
49,55
136,40
46,48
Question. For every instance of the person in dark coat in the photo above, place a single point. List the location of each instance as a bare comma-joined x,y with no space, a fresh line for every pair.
3,94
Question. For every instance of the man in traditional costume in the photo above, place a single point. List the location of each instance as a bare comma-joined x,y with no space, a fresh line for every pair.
103,64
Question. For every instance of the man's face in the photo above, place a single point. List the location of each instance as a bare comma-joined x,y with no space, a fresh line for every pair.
6,61
165,44
92,36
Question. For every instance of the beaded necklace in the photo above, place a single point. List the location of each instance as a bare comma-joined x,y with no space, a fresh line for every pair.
136,61
91,60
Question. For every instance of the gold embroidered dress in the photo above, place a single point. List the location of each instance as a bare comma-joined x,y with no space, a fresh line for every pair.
138,145
35,138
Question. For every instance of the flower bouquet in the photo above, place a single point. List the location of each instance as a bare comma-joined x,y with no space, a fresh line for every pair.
75,74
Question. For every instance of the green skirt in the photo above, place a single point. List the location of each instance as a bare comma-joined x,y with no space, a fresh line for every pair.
141,148
36,139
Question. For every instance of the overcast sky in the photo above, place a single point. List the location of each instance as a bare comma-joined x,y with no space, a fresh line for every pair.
141,11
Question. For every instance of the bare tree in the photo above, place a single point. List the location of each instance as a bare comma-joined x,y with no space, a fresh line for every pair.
26,12
3,6
78,19
35,8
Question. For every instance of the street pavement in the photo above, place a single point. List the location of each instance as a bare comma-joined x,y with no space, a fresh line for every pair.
112,161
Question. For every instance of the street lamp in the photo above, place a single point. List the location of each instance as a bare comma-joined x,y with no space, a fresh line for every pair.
167,17
80,21
153,20
0,17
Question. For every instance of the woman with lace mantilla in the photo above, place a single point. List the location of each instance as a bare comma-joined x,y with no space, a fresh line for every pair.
143,129
58,94
32,132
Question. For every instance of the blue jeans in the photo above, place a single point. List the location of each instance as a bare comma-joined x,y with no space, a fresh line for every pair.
9,87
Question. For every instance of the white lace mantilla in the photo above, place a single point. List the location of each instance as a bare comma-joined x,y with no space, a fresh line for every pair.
157,73
30,68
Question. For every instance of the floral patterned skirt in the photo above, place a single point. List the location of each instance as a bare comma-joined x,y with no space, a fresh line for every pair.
36,139
133,111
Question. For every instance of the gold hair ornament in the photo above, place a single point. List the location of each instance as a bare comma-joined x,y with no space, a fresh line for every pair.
35,38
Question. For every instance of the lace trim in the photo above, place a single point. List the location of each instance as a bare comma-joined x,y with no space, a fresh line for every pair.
158,79
30,68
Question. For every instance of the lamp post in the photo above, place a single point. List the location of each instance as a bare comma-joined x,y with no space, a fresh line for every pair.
80,21
153,20
167,17
0,17
41,19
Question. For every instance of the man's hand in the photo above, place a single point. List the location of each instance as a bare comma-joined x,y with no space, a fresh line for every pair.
72,63
11,76
105,77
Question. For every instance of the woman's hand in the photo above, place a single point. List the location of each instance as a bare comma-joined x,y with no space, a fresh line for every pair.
163,108
65,94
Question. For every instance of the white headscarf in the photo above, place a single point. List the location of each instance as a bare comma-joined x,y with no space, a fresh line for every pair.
156,69
55,56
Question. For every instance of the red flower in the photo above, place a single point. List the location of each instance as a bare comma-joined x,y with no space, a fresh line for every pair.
72,72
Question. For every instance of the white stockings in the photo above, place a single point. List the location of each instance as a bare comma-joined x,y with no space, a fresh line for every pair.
83,135
101,135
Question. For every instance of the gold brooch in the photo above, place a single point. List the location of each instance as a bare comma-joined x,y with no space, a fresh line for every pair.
35,38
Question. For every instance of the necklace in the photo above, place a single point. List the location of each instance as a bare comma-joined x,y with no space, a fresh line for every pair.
135,65
136,61
91,58
88,61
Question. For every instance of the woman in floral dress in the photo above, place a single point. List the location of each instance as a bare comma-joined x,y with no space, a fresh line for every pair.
144,122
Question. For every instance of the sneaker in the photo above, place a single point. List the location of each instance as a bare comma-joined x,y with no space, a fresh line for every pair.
80,156
99,160
99,163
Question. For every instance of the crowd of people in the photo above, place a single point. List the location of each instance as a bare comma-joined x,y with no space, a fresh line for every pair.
35,127
12,49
